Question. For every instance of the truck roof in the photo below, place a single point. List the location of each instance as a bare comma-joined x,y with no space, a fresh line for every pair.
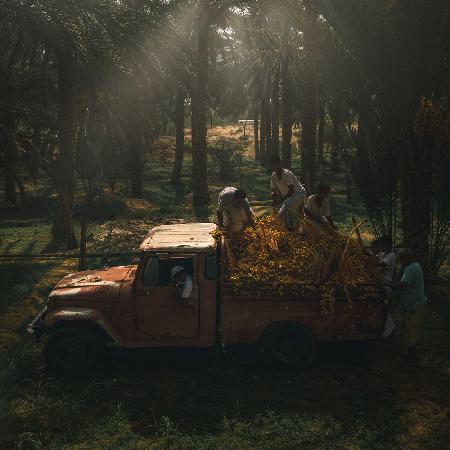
180,237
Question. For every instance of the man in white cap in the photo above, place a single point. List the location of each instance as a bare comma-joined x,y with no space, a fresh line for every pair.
183,284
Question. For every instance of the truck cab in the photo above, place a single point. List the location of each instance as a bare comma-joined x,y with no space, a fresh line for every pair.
136,306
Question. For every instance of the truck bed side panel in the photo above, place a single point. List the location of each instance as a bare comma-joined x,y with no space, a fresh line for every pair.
244,319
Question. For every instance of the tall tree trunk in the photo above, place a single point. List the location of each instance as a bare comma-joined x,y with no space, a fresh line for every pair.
267,123
309,116
335,111
22,190
287,120
199,114
416,173
256,133
321,129
309,129
275,111
10,155
9,183
179,136
136,165
63,227
262,128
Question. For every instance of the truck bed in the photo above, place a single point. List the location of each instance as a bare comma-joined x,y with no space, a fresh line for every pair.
245,314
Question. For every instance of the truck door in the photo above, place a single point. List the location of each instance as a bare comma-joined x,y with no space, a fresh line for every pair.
158,313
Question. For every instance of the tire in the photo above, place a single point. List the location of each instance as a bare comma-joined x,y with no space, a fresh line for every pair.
288,345
71,350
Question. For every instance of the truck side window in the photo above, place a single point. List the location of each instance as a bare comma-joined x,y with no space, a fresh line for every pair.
150,276
211,267
165,266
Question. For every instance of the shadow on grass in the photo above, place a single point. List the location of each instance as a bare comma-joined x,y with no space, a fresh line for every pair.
178,395
20,278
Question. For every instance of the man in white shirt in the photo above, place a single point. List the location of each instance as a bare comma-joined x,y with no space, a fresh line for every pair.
233,210
317,210
183,284
287,191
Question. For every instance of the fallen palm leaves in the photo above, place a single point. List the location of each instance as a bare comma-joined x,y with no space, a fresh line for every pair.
273,261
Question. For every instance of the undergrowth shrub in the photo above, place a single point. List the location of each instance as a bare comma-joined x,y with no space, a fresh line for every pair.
226,157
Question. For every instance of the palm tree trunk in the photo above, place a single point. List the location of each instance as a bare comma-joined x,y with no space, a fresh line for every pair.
262,140
10,155
287,121
267,131
136,165
321,129
199,116
256,133
179,136
63,227
335,138
309,129
9,184
275,112
416,180
309,116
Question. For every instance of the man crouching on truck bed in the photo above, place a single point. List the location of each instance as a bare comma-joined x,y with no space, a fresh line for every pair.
317,210
287,191
233,210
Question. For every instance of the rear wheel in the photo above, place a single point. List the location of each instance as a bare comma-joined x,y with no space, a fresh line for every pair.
288,345
71,349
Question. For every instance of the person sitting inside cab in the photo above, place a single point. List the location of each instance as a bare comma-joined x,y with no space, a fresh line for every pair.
183,284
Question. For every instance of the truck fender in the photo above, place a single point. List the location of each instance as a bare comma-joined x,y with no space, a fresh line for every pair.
86,315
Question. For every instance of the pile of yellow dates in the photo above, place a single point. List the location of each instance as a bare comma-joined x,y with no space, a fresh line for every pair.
273,261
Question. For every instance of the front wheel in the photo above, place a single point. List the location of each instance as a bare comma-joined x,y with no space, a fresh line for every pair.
289,345
71,350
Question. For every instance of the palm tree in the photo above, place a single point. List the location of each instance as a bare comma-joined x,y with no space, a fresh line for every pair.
179,135
401,66
198,107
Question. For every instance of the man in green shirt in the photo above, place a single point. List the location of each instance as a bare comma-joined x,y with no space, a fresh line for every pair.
413,300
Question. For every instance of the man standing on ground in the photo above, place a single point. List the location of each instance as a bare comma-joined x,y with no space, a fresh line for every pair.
233,210
317,210
413,301
287,191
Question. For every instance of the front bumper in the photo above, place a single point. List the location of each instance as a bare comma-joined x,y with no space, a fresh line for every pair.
36,326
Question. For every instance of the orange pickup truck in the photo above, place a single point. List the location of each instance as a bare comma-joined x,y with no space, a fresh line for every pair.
135,306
